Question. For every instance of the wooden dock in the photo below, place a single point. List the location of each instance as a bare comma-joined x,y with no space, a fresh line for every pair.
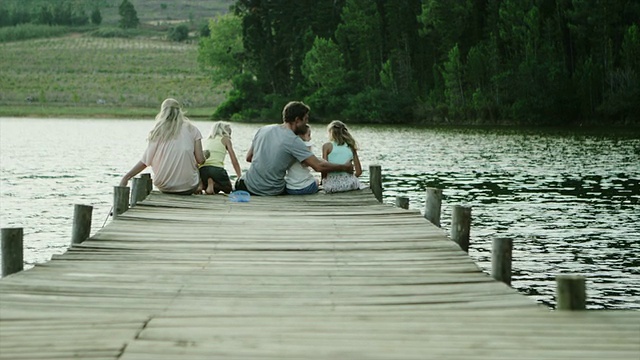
336,276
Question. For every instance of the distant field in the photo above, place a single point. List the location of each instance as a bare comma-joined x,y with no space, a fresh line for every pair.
102,73
195,10
86,76
149,11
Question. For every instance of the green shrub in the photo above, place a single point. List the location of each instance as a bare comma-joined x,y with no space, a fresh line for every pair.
205,32
179,33
96,17
245,99
30,31
377,105
128,15
111,32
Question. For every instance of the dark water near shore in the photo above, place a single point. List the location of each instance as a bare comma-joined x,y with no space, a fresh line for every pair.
569,199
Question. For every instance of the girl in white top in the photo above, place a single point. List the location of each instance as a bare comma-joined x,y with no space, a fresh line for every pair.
299,180
341,148
174,152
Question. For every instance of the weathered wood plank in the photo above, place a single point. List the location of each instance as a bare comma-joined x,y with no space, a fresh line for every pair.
288,277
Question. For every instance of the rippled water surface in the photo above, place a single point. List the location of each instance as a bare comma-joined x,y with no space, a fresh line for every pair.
569,199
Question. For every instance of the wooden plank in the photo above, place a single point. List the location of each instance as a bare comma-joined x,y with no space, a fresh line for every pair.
287,277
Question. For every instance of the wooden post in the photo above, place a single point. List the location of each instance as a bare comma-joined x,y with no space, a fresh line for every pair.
146,177
12,250
138,191
461,226
375,181
432,206
120,200
570,292
81,223
402,202
501,260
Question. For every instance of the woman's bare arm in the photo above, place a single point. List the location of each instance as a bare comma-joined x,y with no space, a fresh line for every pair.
199,154
135,170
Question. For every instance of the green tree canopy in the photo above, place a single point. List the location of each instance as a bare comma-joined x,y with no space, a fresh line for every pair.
323,65
128,15
178,33
96,17
221,54
537,62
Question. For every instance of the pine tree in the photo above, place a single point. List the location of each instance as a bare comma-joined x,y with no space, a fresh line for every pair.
96,17
128,15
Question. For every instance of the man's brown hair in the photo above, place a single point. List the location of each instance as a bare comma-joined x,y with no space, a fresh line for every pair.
293,110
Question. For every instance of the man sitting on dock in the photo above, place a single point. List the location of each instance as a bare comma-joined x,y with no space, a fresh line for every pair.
275,147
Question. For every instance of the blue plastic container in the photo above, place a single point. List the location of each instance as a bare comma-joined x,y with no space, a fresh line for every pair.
239,196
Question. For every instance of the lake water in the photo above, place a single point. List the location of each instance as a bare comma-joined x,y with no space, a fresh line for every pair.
570,200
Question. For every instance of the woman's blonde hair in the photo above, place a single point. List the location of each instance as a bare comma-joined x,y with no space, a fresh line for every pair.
339,133
220,128
169,121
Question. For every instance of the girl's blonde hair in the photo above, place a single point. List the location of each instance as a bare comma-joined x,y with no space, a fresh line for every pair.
169,121
220,128
339,133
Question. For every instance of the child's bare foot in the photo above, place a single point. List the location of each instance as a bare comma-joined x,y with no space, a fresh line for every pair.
198,191
210,187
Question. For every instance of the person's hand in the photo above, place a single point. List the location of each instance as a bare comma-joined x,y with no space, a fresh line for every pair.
124,182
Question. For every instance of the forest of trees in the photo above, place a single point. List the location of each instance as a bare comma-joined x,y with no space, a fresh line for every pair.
63,13
530,62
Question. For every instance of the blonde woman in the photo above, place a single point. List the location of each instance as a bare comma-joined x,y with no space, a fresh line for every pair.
212,173
174,151
341,148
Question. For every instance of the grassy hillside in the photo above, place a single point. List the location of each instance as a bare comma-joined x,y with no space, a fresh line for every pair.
156,12
149,11
79,71
77,74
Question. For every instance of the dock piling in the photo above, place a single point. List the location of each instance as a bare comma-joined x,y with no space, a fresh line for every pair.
146,179
570,292
12,250
501,251
138,190
120,200
432,206
375,181
402,202
461,226
81,223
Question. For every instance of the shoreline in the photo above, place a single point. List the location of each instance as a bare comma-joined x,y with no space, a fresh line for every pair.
94,112
141,112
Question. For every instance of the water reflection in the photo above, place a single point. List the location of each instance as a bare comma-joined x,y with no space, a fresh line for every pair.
569,201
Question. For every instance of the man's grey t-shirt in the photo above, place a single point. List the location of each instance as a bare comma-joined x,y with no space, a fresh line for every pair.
275,148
